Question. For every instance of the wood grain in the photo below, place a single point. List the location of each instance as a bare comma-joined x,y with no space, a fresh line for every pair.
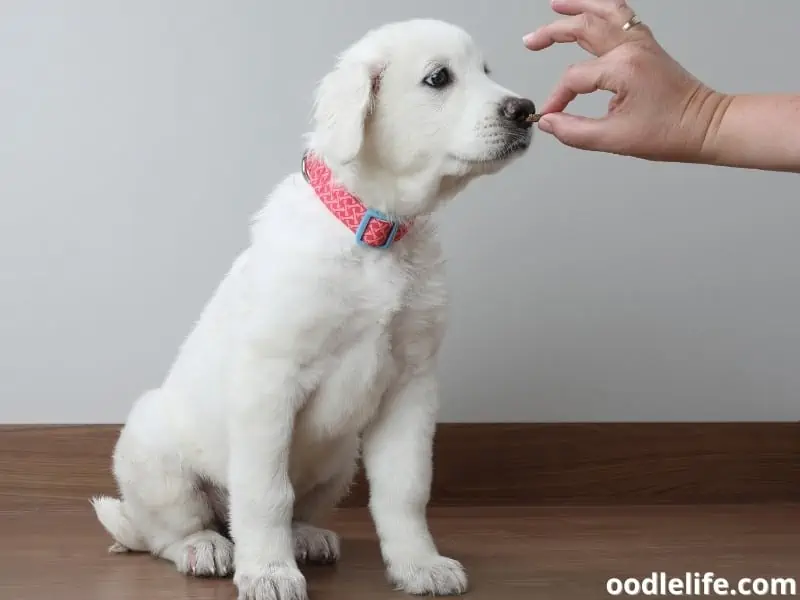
510,553
487,464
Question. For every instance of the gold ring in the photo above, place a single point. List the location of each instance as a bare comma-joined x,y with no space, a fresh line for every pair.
631,23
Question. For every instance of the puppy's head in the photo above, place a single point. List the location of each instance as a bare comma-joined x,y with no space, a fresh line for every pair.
415,99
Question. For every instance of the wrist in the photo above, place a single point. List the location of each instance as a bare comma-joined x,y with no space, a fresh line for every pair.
710,120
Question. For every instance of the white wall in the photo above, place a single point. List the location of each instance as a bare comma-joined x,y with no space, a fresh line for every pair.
136,139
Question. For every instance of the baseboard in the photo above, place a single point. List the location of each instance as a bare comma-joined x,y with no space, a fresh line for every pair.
490,464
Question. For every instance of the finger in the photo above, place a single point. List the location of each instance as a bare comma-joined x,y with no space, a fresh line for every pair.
592,33
563,31
614,11
583,78
577,132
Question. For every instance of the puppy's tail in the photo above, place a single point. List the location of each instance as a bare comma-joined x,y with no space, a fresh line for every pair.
111,514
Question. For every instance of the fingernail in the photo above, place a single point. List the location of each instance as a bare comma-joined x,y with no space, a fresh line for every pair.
526,39
546,124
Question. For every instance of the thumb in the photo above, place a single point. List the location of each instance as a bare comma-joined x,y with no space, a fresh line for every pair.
578,132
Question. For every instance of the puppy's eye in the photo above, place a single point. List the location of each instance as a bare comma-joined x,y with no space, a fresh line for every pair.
438,79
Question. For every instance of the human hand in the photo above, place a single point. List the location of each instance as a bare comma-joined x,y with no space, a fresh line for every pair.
659,111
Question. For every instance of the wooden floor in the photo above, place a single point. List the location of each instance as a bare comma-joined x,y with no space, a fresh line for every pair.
510,554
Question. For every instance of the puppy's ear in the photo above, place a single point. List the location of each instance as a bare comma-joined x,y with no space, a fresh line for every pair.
343,102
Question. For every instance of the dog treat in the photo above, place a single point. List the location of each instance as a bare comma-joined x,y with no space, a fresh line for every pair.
534,118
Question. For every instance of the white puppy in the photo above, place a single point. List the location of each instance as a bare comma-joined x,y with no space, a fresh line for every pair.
321,341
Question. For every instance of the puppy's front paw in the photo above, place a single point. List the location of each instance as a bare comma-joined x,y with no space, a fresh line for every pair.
277,581
315,545
429,576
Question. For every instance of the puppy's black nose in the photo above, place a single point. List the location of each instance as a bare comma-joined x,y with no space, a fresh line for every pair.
517,110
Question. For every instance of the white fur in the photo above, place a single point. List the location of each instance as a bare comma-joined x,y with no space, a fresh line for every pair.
313,348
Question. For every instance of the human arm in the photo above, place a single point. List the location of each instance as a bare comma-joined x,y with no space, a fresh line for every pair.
659,111
758,131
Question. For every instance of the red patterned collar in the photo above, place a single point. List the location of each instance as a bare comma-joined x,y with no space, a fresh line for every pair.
372,228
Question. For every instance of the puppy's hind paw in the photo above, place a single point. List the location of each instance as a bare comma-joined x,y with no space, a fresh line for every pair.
315,545
117,548
206,554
